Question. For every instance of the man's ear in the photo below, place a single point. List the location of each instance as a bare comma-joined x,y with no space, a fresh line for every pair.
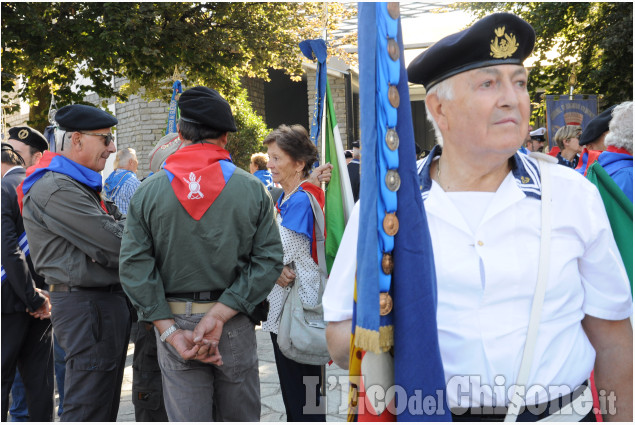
36,157
436,109
76,139
222,140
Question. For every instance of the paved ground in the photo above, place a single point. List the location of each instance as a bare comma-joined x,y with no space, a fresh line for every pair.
272,406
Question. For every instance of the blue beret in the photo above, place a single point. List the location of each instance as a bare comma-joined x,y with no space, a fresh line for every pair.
498,39
597,126
205,106
29,136
83,117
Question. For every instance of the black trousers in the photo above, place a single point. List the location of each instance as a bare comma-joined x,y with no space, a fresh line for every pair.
93,328
27,343
147,388
294,391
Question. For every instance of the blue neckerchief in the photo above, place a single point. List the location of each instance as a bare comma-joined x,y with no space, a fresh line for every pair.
614,161
57,163
296,213
524,169
265,178
115,180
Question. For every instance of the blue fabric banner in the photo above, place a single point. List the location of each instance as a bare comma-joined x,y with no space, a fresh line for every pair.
417,360
173,112
316,50
562,111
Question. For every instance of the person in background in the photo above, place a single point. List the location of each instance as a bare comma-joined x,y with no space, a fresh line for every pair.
27,338
592,140
536,142
122,182
353,170
75,237
567,139
258,167
291,155
348,156
617,159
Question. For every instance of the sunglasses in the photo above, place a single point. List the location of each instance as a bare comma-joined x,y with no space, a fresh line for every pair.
108,137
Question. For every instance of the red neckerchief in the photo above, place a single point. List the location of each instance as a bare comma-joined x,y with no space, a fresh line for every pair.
197,175
615,149
319,195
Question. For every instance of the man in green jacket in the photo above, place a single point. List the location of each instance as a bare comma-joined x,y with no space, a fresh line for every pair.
200,252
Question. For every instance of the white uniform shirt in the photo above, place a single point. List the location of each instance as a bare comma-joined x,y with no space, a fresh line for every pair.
486,280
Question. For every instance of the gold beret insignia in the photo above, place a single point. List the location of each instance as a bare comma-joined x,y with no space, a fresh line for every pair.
503,46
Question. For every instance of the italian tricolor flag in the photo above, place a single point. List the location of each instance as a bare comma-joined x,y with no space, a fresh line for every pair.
339,195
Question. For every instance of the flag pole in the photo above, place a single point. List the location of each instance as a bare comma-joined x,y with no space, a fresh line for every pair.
323,150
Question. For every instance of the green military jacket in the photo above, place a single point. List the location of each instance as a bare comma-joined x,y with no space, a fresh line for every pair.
234,247
73,241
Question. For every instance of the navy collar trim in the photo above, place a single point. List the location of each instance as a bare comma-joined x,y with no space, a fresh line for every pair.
524,169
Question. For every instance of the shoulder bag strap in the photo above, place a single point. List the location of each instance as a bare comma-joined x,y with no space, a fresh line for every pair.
319,237
539,295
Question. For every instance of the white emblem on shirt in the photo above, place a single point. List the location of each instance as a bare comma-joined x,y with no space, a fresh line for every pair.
194,186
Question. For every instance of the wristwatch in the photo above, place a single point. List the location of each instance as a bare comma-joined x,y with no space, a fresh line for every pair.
169,331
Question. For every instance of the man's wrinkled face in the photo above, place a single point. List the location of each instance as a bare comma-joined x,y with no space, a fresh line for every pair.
489,111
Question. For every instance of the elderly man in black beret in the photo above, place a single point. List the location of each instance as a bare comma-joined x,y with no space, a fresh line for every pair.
515,339
200,253
75,236
27,339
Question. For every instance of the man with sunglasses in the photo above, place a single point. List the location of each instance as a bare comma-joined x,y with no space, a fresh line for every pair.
75,237
27,339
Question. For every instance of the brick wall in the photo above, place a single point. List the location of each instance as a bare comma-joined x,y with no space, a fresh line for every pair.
256,95
338,93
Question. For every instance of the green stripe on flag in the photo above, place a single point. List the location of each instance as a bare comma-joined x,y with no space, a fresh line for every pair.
339,195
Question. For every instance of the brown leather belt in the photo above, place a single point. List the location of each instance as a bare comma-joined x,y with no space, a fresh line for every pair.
62,287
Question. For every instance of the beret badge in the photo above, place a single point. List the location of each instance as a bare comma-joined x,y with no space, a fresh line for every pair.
23,134
503,45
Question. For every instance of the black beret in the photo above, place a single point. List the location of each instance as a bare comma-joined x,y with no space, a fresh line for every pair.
497,39
597,126
205,106
356,144
29,136
83,117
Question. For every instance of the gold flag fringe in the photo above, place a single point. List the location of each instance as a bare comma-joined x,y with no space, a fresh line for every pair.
374,341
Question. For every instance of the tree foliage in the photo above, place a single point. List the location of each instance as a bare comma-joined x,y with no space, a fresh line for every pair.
594,37
53,47
251,132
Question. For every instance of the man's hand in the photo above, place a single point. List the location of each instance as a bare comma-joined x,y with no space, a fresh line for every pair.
209,330
286,277
321,174
183,342
43,311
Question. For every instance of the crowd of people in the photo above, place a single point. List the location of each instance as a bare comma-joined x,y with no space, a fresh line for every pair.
201,251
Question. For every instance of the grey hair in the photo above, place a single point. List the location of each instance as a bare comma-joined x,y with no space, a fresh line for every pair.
444,91
123,156
621,127
63,139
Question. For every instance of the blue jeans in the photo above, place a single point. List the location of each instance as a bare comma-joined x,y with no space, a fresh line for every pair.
18,411
200,392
